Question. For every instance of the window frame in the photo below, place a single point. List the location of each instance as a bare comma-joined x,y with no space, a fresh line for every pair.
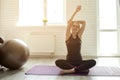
108,30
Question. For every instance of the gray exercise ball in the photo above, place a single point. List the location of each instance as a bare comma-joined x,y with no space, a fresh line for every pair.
14,54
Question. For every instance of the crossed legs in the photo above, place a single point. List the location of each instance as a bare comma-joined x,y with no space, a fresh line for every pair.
68,67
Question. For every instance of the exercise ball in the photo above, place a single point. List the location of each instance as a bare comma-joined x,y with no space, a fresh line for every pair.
14,53
1,40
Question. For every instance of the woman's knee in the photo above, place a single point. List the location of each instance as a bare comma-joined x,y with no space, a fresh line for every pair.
89,63
93,62
58,62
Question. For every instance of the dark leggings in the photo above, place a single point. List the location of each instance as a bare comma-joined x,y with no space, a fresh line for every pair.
79,67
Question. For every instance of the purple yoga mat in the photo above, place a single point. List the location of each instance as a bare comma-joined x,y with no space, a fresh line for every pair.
53,70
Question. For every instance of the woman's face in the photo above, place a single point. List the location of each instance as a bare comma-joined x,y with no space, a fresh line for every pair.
75,27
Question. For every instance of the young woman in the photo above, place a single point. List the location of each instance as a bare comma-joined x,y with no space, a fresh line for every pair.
74,62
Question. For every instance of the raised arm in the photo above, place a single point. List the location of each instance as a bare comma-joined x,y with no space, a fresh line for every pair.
69,23
82,28
73,15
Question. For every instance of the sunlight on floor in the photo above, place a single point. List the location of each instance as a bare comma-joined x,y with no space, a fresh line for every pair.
108,62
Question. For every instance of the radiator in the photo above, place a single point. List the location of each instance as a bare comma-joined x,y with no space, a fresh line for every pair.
41,44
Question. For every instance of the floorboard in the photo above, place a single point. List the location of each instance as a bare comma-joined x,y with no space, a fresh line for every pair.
20,74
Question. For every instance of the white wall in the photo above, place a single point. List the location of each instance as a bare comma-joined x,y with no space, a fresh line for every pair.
9,30
119,25
0,14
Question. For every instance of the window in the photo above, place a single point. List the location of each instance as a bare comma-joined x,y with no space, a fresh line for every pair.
108,43
33,12
108,30
108,14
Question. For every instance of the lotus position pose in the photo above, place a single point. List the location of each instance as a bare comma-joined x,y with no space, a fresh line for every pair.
74,62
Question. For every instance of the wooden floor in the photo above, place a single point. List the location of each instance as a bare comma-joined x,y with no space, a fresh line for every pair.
20,74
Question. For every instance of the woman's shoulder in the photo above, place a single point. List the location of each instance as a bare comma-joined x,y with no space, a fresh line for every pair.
68,38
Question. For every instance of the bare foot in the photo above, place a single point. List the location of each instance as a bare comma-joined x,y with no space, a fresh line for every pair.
67,71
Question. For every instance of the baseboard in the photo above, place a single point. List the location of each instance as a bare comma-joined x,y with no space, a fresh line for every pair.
58,56
42,56
64,56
